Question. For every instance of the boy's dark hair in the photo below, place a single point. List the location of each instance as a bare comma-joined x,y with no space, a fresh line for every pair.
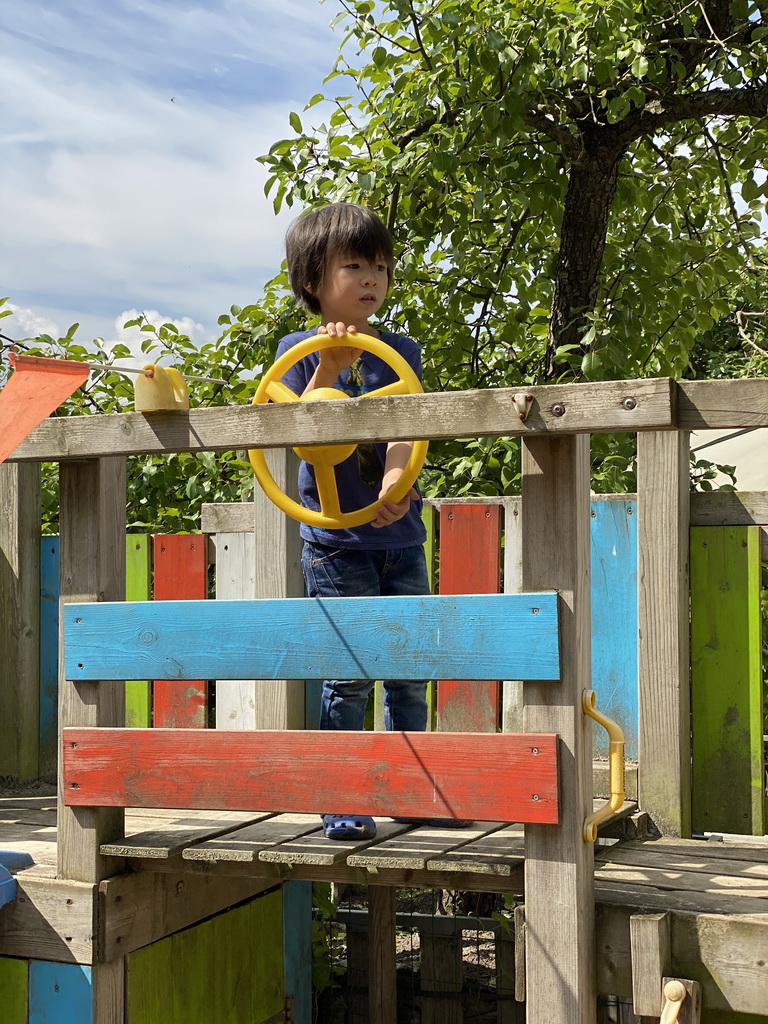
317,237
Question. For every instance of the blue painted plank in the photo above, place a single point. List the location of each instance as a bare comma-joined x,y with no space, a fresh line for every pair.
49,653
297,949
494,636
614,618
60,993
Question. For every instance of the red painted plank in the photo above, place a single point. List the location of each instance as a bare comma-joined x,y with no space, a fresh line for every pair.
504,777
180,574
469,564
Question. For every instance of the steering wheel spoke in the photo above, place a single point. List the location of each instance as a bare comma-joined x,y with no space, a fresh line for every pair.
398,388
278,392
327,491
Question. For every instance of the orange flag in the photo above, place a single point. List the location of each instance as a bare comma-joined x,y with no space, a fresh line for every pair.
37,387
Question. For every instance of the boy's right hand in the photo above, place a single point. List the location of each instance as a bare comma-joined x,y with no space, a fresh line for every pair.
340,357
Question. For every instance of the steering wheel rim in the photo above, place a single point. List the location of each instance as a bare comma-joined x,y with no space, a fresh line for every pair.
271,388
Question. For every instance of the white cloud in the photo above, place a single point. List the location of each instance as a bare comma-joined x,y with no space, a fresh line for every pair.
129,144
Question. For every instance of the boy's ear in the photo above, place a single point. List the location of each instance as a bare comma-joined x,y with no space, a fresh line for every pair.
309,288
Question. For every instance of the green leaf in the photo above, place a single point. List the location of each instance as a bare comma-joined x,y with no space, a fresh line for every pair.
295,122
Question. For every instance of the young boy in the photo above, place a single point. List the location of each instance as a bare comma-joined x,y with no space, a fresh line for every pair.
340,266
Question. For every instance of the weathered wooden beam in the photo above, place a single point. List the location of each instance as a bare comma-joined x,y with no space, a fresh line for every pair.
50,919
423,775
19,620
559,883
664,745
722,404
729,508
651,941
140,908
560,409
92,538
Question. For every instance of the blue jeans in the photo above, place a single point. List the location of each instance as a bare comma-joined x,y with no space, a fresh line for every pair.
348,572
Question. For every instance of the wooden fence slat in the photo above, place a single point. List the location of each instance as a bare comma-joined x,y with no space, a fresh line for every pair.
235,698
469,564
19,620
664,744
613,541
49,654
60,992
14,990
138,584
346,638
504,777
726,680
297,949
180,573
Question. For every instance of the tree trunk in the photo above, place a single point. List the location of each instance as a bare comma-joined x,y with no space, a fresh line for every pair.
591,187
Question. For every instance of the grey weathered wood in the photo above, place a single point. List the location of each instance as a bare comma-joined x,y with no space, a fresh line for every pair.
508,1011
559,885
19,620
279,703
664,746
651,940
357,973
382,993
587,407
726,952
441,979
50,919
140,908
519,917
722,404
92,553
729,508
108,984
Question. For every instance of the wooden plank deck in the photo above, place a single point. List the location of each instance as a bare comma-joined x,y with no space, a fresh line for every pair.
726,877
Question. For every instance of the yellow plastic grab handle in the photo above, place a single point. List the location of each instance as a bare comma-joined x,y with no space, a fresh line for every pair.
615,766
324,457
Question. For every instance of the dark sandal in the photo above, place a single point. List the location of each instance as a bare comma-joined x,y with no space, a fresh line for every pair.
349,826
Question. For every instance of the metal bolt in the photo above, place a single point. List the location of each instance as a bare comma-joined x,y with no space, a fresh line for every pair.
558,409
535,611
179,887
534,750
630,403
535,797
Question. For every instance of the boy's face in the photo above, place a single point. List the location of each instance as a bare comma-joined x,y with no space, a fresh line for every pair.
353,290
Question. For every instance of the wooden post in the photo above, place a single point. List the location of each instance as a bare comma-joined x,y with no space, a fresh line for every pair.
651,942
277,573
382,983
664,701
92,531
20,619
559,864
441,978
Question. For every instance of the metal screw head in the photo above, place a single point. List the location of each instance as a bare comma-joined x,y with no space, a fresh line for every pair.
558,409
629,403
535,796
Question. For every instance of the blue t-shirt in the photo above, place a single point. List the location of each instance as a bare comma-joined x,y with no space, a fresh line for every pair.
358,478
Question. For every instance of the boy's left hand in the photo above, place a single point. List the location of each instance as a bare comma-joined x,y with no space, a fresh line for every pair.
389,512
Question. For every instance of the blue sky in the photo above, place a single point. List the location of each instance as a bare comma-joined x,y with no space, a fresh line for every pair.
130,132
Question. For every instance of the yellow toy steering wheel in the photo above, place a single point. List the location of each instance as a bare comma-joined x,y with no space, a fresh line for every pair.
324,457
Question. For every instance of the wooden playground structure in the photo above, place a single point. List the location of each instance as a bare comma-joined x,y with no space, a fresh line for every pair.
618,920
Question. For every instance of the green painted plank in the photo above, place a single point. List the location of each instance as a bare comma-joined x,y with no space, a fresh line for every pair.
138,582
727,703
267,978
14,984
149,993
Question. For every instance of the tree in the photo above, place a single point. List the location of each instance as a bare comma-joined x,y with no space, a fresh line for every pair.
573,186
